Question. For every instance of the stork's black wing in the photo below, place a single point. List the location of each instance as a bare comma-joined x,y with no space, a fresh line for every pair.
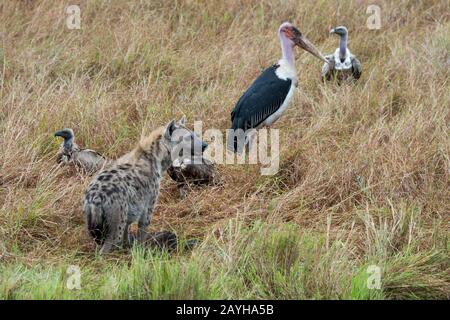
264,97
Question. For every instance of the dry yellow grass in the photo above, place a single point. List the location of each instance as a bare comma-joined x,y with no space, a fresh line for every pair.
357,161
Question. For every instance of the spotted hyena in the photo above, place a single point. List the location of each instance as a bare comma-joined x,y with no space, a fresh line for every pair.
119,201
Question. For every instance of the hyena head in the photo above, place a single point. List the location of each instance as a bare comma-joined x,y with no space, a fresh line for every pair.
173,143
187,144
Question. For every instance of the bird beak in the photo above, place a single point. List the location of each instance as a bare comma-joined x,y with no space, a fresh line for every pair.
332,31
204,146
59,133
63,134
305,44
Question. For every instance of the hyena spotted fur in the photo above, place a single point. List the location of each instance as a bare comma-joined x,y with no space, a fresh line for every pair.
119,201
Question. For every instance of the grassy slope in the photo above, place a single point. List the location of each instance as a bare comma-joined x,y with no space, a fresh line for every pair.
364,169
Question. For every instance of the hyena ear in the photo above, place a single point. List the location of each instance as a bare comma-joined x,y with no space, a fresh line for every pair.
182,121
170,129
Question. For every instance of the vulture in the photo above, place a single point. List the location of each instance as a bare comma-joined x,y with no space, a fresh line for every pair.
89,161
194,171
342,64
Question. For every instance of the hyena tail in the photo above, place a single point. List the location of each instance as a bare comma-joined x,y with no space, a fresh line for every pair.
96,222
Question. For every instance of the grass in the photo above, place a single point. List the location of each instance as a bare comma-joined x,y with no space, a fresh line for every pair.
259,261
364,168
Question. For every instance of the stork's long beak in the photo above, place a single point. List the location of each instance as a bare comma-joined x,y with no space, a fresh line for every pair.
305,44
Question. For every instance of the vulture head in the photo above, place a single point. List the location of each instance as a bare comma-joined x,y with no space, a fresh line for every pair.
340,31
67,135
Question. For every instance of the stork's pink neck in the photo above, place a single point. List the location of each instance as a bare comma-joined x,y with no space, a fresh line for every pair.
287,48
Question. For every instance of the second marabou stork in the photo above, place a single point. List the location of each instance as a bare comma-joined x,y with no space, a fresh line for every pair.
270,94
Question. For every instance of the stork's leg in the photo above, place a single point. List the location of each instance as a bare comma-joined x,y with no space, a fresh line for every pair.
251,142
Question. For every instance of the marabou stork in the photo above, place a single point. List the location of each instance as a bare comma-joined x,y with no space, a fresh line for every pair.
269,95
342,64
70,153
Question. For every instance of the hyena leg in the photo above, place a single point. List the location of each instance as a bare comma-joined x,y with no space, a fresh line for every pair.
132,233
143,224
116,229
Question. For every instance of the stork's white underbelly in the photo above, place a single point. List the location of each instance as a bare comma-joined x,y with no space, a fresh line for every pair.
275,116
